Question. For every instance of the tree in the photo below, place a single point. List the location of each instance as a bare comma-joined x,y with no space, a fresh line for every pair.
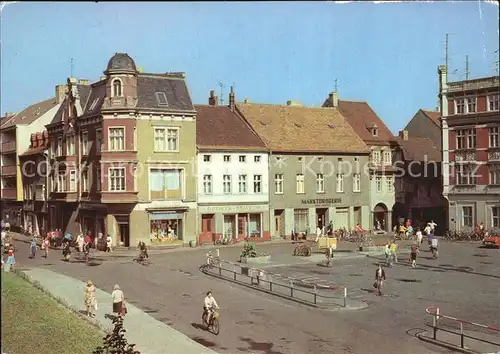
116,343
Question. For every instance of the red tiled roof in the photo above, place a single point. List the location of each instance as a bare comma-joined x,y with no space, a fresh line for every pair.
419,149
34,151
30,114
433,116
218,127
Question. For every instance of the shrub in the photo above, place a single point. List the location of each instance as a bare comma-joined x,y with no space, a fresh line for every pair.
115,343
249,250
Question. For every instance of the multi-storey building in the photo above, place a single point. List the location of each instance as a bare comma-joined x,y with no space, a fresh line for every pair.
471,150
15,131
315,167
126,153
233,189
419,184
35,167
425,124
384,210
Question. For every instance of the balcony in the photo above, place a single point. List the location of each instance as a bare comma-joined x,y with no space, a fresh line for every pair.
465,156
9,170
9,147
9,193
494,156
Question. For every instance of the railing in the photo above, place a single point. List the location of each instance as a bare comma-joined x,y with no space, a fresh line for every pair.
286,287
436,316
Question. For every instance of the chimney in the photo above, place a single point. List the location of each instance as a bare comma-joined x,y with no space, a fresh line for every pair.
212,99
335,99
232,99
60,93
83,82
293,103
403,134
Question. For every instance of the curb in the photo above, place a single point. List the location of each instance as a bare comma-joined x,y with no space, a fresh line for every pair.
446,345
76,311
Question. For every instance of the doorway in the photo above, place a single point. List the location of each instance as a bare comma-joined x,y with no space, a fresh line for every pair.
278,223
242,226
207,226
321,217
123,229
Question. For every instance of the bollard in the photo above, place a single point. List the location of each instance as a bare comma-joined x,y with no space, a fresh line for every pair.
234,271
291,288
217,252
462,335
434,327
345,296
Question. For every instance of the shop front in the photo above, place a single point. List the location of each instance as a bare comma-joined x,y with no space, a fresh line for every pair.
92,219
167,226
234,223
12,213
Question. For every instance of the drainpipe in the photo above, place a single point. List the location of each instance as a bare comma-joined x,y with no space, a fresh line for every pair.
46,193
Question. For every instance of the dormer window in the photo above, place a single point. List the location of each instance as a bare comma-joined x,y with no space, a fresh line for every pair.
375,131
117,88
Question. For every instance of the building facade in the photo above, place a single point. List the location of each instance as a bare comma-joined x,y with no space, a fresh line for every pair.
34,166
384,210
471,150
425,124
15,131
233,188
129,141
315,167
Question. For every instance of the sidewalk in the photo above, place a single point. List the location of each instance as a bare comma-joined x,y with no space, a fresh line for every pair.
149,335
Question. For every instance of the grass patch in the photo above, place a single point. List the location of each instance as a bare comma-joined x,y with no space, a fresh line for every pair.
33,322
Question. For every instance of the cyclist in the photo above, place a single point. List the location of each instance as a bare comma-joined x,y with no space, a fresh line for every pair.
208,307
434,247
143,251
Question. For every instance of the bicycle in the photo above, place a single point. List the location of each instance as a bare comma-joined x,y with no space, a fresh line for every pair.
142,260
329,259
212,261
223,240
213,326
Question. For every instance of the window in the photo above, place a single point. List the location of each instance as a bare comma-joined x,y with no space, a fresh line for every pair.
378,184
376,157
165,184
494,177
320,183
98,141
390,184
242,184
340,182
493,102
471,104
206,158
300,219
299,184
495,216
72,181
257,183
226,184
459,106
494,133
85,180
387,158
136,186
94,103
207,184
256,158
227,158
466,175
70,145
375,131
467,216
116,179
278,184
61,183
98,179
161,99
59,146
356,182
117,88
84,143
466,139
242,158
166,139
116,139
53,149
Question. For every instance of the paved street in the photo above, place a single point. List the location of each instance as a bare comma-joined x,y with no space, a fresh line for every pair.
464,281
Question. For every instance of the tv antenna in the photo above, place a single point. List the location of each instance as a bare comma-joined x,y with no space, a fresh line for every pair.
446,52
71,68
336,85
222,86
497,62
467,67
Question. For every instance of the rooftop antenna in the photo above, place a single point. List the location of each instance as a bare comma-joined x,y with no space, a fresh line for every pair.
222,86
467,67
497,63
71,68
446,55
336,85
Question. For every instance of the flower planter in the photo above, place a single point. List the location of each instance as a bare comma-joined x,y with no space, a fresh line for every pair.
255,260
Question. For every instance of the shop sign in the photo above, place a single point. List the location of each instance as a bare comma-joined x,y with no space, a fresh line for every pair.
29,207
168,215
234,208
324,201
89,206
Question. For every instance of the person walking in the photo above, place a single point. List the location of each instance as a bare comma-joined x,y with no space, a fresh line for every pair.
379,279
80,242
413,254
33,248
11,259
90,300
118,301
420,237
109,244
46,245
394,250
387,252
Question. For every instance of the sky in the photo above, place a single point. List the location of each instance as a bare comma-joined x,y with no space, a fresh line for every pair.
384,53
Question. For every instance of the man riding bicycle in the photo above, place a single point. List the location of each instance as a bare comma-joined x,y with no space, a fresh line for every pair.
209,306
434,247
143,250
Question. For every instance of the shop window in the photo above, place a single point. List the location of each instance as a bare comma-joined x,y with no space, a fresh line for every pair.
254,225
165,184
495,215
229,226
467,216
166,227
300,220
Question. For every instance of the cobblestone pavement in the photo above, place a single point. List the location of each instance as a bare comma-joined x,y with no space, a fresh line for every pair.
464,281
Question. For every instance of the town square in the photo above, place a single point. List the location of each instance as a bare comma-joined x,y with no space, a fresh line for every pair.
181,185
